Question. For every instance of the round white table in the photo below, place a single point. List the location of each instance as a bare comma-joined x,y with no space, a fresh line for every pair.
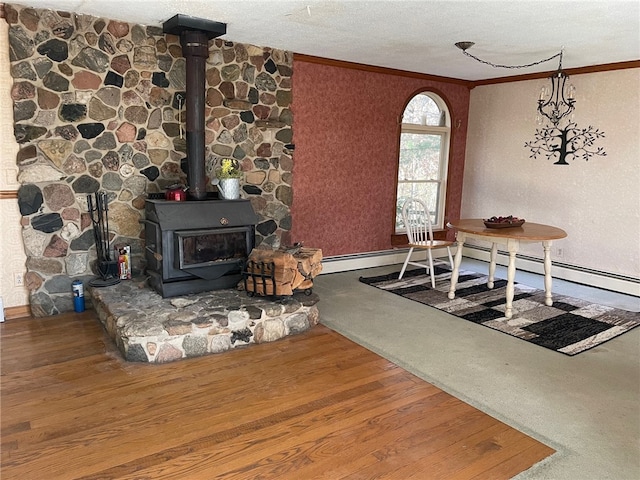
511,237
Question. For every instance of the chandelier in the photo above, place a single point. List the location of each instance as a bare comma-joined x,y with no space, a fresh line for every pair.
559,103
555,104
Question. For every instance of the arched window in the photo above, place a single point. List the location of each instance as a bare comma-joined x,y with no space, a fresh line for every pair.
424,156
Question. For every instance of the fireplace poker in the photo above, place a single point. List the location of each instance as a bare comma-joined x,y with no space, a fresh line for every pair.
93,209
103,214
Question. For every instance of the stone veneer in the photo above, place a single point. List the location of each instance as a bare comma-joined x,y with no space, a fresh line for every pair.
99,105
148,328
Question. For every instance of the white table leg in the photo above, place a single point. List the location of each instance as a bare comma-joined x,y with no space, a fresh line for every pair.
546,245
511,275
492,264
456,265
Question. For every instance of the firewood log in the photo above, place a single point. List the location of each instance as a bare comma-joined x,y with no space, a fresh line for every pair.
289,271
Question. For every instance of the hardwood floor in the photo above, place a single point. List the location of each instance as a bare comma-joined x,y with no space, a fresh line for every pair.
312,406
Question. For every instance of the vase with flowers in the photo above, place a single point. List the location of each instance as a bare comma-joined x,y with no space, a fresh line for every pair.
227,179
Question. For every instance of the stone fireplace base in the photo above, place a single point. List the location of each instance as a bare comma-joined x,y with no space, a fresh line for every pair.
148,328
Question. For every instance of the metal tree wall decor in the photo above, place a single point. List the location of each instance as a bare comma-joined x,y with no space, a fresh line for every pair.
553,141
560,144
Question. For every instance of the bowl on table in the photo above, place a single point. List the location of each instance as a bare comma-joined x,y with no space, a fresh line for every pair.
503,222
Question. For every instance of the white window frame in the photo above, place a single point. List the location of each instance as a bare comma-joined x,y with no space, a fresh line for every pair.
444,132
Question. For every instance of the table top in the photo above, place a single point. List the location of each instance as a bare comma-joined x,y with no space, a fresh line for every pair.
529,231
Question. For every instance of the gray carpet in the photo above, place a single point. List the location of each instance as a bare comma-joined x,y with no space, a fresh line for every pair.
585,406
569,326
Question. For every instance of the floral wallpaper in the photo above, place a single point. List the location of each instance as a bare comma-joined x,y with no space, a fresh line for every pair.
346,150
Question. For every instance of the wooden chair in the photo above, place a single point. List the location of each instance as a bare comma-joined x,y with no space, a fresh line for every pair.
417,221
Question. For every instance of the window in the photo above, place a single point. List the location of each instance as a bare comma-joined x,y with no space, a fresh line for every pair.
424,155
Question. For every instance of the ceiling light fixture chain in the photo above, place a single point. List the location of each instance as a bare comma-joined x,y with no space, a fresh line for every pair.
466,45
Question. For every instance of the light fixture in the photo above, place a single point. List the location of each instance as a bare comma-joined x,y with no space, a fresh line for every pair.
559,103
554,106
552,141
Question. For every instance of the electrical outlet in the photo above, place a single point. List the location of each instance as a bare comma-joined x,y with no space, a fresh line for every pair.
18,279
559,252
10,174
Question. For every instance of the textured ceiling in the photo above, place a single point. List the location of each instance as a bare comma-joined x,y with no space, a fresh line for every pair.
416,36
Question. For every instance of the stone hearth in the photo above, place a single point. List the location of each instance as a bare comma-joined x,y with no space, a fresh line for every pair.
148,328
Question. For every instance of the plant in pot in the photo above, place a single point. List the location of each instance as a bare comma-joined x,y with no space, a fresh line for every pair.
227,179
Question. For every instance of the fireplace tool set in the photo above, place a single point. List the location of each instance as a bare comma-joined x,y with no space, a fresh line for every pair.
106,266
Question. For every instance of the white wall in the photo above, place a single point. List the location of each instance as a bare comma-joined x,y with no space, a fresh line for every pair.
596,202
12,256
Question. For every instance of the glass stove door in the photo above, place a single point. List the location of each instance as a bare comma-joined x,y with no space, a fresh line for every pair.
202,248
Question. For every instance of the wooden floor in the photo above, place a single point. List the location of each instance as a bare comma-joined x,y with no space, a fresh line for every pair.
312,406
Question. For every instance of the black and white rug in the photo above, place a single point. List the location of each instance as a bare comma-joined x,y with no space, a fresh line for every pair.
570,326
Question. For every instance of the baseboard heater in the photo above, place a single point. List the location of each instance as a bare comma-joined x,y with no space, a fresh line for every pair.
555,263
571,273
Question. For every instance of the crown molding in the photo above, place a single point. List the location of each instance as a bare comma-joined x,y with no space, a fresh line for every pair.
569,71
467,83
382,70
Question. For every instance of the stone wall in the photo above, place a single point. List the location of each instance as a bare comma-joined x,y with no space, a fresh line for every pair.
99,105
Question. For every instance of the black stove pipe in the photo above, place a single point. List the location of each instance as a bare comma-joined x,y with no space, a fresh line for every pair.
195,34
195,48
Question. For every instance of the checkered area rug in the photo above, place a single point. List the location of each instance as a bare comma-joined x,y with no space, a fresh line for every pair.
570,326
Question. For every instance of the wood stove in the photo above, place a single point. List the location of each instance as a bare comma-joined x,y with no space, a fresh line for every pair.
196,246
200,244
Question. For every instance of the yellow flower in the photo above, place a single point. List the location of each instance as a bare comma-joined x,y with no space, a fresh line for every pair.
229,168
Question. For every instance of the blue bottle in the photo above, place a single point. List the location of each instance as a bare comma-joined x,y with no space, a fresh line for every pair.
78,296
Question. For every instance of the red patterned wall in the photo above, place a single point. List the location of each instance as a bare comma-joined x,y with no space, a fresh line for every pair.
346,138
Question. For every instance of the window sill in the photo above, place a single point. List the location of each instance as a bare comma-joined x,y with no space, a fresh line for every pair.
400,240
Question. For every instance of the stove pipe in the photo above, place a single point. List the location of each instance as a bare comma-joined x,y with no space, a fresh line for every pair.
195,34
